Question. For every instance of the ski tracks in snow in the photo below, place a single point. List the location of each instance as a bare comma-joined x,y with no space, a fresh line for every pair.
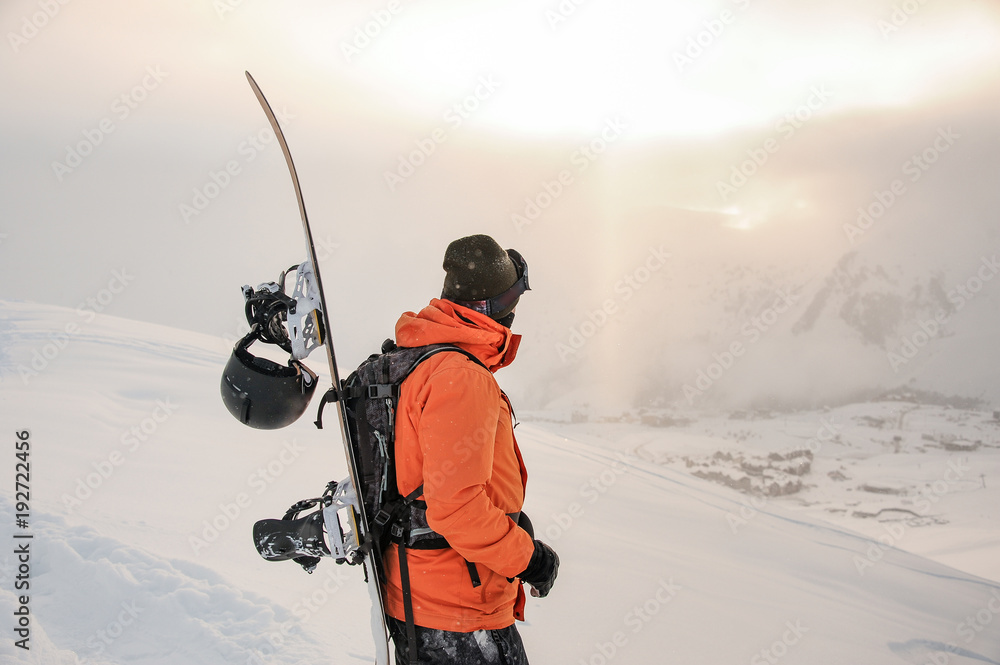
787,564
921,652
724,500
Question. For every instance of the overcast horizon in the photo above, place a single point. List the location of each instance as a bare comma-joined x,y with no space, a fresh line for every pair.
769,139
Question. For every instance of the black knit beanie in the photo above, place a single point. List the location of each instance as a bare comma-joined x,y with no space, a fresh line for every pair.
477,268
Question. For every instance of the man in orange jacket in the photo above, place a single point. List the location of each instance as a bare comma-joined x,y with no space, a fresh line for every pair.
454,435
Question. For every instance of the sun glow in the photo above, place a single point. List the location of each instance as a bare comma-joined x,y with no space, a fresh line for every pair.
665,69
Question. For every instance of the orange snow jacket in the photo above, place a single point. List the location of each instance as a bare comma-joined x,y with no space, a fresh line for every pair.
454,434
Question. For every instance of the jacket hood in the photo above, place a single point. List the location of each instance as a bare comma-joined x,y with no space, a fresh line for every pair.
445,322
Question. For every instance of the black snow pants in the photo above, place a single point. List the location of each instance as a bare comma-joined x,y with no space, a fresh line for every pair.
444,647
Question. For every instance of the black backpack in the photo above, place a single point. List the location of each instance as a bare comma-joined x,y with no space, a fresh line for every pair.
371,396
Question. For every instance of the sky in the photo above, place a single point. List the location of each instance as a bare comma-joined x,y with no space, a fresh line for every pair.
138,178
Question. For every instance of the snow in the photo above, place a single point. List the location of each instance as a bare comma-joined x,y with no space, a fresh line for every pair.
884,548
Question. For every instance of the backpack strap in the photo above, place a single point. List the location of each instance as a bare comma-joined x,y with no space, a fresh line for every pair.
401,534
411,626
473,574
435,349
404,581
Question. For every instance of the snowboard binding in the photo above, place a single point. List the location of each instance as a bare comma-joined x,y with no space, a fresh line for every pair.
306,540
294,322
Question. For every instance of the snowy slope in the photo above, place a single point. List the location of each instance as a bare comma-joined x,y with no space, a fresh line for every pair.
144,491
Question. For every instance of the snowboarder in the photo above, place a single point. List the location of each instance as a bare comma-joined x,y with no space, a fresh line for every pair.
454,435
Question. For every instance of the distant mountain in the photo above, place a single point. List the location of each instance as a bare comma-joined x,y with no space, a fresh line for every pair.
723,325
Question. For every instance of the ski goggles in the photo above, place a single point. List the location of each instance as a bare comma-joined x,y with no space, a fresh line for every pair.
499,303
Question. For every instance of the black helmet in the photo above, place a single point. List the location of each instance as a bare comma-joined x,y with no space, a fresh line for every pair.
260,392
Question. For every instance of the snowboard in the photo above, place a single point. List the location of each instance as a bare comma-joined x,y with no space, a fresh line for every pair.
374,574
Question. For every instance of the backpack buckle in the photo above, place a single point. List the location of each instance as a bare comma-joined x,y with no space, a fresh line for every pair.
382,519
383,391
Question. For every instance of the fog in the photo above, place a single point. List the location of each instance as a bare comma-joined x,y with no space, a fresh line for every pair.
684,180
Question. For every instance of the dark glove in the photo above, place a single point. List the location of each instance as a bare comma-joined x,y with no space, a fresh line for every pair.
542,570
